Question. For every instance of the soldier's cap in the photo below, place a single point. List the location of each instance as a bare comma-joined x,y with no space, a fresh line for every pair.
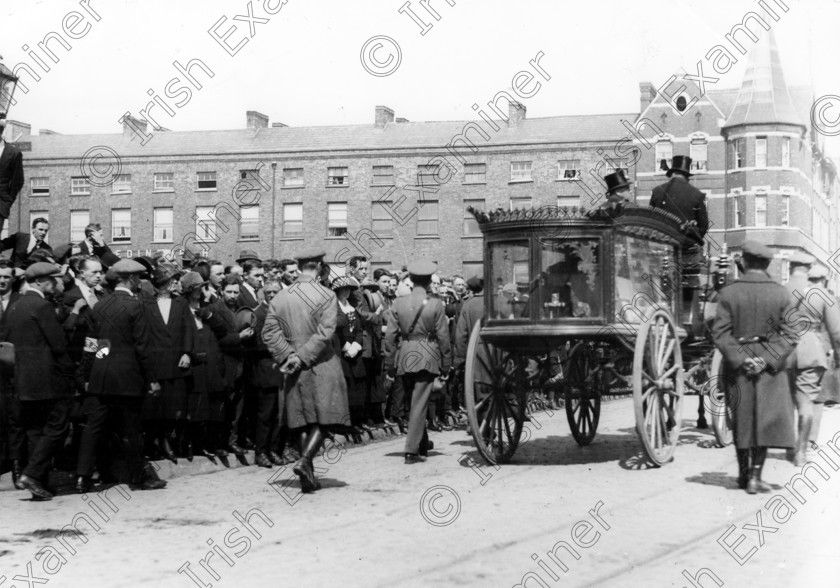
191,281
247,255
310,254
344,282
817,272
756,249
422,267
164,273
475,284
128,266
42,269
801,258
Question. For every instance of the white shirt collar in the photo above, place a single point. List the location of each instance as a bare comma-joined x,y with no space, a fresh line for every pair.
38,292
124,289
250,289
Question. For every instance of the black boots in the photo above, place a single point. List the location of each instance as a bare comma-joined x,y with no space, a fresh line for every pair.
754,484
17,472
303,467
744,466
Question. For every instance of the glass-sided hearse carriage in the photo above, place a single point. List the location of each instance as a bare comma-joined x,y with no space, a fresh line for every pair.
591,302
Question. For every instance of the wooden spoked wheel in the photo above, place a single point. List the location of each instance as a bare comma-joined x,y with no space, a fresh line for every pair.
658,386
721,409
496,394
582,394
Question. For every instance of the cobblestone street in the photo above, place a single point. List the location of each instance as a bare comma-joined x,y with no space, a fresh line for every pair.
623,524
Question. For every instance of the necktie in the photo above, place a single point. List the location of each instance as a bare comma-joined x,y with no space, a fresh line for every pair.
92,299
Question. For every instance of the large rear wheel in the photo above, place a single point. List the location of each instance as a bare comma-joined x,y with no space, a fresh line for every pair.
496,395
721,409
658,386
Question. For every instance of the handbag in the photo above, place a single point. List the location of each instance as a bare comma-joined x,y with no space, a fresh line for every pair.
7,354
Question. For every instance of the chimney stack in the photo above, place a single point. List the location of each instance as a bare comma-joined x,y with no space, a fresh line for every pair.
516,113
256,120
384,115
278,124
648,94
137,123
47,132
402,120
17,131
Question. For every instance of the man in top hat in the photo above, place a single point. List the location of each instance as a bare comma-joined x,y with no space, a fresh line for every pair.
11,175
423,353
817,311
299,329
682,199
118,366
618,193
43,372
752,332
24,244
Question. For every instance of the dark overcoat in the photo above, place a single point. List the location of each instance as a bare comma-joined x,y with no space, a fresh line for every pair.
301,320
170,340
263,372
755,305
43,370
11,178
471,312
222,321
683,200
119,324
427,348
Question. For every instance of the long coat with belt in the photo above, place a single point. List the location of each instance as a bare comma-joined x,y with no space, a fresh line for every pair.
301,320
762,406
427,348
11,178
816,319
683,200
43,370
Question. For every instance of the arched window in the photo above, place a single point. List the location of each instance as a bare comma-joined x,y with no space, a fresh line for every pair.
664,154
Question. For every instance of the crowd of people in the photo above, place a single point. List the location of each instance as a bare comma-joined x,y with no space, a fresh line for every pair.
111,363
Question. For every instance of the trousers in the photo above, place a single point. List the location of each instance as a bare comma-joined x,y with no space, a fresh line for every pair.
123,414
419,386
46,423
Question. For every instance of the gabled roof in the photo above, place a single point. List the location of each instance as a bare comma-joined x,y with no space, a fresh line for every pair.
293,140
764,97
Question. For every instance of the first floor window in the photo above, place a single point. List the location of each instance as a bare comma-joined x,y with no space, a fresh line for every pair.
205,224
383,175
761,152
427,175
40,186
164,181
79,186
664,153
470,224
381,219
163,225
79,219
520,171
526,202
568,169
698,151
427,218
249,222
785,216
120,225
293,220
206,180
336,219
122,184
475,173
293,176
760,210
338,176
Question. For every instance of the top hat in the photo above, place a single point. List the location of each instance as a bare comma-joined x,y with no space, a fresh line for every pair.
680,163
616,181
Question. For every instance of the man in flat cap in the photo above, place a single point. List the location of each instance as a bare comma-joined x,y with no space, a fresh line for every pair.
11,175
43,372
299,329
817,320
752,333
118,367
417,348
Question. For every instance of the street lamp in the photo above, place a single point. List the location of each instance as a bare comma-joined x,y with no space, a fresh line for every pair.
8,83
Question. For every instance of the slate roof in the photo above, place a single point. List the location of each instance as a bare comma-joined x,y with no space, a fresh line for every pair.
292,140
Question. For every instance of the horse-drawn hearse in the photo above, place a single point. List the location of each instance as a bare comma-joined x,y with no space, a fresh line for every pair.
594,303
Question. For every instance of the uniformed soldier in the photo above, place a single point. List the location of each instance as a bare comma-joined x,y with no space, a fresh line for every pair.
417,348
752,333
299,329
816,318
618,193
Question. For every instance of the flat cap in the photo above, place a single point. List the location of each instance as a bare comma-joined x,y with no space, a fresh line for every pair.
164,273
801,258
192,280
42,269
310,254
756,249
247,255
128,266
422,267
817,272
475,284
63,251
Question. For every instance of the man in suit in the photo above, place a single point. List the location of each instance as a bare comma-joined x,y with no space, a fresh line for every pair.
253,275
422,354
299,330
288,272
12,436
94,244
752,332
42,374
78,302
24,244
118,366
11,175
817,320
682,199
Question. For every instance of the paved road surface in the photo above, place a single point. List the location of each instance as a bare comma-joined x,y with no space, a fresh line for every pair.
608,520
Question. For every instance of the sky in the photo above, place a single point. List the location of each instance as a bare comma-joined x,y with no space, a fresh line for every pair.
302,65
